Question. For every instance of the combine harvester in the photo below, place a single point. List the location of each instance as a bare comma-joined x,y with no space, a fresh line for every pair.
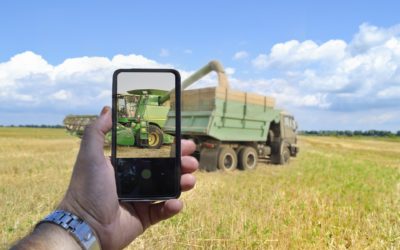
142,114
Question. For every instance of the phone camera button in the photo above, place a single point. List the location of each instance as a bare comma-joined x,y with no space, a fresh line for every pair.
146,174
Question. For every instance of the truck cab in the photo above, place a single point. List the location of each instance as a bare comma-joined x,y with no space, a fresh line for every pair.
283,139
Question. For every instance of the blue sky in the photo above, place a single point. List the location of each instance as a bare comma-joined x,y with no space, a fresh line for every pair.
333,64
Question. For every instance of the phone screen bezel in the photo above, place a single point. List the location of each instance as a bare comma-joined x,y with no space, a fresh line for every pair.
176,178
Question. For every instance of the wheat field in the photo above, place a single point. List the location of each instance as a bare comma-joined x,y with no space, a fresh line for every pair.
339,193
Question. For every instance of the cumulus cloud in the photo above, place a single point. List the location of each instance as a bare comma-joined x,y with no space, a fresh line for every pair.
61,95
240,55
230,71
350,84
340,75
82,84
294,52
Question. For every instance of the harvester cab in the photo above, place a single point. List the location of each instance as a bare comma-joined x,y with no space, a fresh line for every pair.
127,106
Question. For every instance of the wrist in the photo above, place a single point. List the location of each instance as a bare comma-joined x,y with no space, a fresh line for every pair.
78,211
80,231
48,236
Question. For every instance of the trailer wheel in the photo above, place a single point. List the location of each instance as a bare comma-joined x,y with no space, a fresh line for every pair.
227,159
155,137
248,158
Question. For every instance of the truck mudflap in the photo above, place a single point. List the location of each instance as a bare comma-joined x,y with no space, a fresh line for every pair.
208,159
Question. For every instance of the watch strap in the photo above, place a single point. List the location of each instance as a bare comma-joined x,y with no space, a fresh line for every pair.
75,226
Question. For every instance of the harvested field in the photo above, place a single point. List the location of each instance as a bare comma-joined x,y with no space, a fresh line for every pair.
339,193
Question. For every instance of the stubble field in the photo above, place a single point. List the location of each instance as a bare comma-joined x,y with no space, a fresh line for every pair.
338,193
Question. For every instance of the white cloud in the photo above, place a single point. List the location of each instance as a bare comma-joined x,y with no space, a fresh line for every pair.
229,71
28,81
164,53
104,94
336,80
261,61
391,92
370,36
240,55
293,52
336,75
61,95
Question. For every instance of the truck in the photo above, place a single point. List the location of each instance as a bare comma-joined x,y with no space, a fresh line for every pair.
233,129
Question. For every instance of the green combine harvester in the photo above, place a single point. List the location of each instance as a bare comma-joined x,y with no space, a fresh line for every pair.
141,116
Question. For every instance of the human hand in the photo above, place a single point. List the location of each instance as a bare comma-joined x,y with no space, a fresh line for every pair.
92,193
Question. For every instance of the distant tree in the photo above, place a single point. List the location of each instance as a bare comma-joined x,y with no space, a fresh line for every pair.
372,132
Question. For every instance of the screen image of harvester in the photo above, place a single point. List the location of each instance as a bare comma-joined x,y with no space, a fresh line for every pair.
141,116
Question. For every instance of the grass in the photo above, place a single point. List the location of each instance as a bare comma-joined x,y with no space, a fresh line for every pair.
338,193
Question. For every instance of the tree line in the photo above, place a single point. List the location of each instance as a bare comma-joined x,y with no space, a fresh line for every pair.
32,126
373,132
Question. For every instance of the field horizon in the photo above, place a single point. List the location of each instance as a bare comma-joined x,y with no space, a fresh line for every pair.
339,193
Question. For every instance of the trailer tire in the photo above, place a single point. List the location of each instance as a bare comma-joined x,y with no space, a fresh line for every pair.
248,158
155,137
227,159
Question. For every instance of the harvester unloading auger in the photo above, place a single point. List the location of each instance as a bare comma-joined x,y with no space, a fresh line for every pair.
232,129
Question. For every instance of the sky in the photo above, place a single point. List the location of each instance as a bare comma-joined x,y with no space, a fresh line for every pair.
333,64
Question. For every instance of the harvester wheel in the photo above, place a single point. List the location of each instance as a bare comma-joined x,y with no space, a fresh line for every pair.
227,159
248,158
155,137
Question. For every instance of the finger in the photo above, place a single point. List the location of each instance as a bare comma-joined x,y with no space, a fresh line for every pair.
187,147
187,182
189,164
93,138
164,210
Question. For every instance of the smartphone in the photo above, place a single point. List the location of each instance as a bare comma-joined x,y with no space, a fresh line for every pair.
146,130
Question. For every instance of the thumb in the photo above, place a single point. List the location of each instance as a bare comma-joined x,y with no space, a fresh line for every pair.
93,139
104,122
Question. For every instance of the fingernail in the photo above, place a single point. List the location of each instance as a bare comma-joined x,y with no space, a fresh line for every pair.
104,110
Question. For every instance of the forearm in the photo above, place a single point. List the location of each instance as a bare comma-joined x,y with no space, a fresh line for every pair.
47,236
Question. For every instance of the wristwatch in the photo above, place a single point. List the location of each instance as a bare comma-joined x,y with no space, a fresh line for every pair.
75,226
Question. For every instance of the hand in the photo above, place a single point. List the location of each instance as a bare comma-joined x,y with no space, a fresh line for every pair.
92,193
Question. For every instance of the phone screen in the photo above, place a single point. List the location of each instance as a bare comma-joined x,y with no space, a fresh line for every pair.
146,125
